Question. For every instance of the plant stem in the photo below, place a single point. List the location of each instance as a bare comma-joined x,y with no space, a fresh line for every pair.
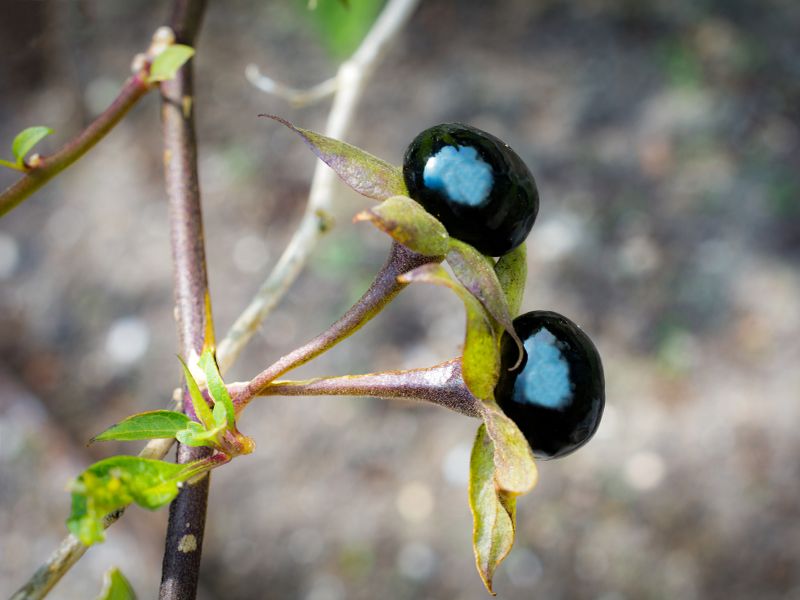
48,167
384,287
441,384
187,514
349,85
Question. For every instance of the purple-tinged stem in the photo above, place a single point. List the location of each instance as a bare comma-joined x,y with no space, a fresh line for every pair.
45,168
384,287
441,384
187,513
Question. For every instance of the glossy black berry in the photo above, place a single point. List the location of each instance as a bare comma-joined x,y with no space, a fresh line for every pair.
557,393
474,184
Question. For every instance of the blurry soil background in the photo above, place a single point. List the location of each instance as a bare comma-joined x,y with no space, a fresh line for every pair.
664,138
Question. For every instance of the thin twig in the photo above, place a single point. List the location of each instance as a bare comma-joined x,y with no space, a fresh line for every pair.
350,81
44,169
187,513
294,96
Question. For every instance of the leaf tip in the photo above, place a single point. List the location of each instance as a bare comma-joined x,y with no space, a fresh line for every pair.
280,120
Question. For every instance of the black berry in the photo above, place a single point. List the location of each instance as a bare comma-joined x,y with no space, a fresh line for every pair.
557,393
474,184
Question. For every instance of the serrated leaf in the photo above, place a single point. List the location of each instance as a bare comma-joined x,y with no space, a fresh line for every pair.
476,273
165,66
512,273
116,586
493,513
216,387
26,140
408,224
515,467
480,362
145,426
115,482
199,403
367,174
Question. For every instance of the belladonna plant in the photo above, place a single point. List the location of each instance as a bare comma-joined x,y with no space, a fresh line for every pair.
535,381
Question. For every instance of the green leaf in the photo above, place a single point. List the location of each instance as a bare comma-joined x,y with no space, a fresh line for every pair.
26,140
116,587
145,426
217,389
515,467
198,401
512,272
409,224
197,435
115,482
165,66
365,173
476,273
220,413
493,513
480,362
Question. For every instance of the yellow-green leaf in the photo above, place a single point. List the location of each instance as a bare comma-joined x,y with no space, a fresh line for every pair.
199,403
480,362
220,413
115,482
197,435
216,387
26,140
476,273
165,66
493,514
116,586
368,175
512,272
150,425
408,224
515,468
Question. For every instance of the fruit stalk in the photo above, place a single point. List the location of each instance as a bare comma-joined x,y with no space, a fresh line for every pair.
384,288
440,384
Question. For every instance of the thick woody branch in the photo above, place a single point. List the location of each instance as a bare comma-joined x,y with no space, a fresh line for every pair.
184,542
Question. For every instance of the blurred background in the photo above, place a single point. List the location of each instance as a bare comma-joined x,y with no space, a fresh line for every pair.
664,138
